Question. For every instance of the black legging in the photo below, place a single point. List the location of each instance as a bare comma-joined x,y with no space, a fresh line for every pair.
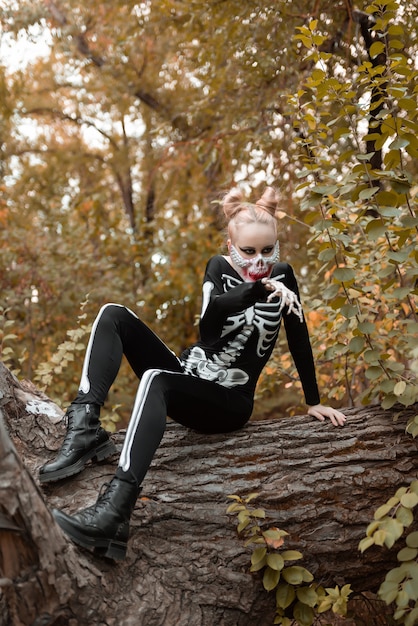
164,388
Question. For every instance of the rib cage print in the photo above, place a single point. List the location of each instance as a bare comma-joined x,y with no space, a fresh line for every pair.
263,318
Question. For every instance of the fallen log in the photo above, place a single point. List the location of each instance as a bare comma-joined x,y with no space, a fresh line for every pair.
185,563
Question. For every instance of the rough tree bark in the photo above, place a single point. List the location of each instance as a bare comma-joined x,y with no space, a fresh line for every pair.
185,563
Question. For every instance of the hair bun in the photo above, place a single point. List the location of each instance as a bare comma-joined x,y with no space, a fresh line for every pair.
232,203
268,201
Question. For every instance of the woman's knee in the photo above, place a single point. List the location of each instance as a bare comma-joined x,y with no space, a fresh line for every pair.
114,313
110,309
152,379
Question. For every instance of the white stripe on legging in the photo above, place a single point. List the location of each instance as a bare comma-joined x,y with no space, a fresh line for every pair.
141,396
85,382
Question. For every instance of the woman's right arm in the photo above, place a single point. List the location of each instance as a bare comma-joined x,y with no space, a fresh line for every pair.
219,304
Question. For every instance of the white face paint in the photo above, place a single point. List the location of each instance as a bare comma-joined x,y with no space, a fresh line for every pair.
256,267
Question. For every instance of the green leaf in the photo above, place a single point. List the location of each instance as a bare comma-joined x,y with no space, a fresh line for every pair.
258,566
412,571
376,228
412,429
379,537
271,578
349,311
366,194
9,336
285,595
234,507
356,344
234,497
326,255
243,525
395,366
291,555
274,534
399,388
398,143
398,256
389,401
400,492
402,599
373,372
388,211
412,618
365,157
409,500
376,48
405,516
407,554
275,561
388,591
372,356
382,511
409,104
325,190
303,614
396,44
395,575
412,539
395,29
344,274
394,530
342,132
307,595
258,555
251,497
324,604
295,575
366,328
366,543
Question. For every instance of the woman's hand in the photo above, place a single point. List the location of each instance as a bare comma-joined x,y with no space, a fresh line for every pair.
288,298
322,412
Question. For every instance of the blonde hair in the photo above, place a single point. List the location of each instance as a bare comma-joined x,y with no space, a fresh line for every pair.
237,211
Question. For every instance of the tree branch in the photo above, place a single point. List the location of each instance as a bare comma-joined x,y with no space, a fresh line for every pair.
185,563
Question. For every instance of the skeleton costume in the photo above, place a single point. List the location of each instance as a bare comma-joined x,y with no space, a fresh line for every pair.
210,388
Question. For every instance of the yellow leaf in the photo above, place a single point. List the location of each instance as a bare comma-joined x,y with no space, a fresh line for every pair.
399,388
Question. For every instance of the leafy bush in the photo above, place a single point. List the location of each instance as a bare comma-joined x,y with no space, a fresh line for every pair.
358,132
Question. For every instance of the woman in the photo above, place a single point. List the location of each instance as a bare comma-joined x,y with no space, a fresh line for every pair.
210,388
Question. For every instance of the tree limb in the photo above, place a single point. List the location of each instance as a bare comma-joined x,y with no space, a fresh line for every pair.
185,563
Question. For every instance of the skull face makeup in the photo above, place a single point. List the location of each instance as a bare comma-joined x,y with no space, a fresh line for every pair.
257,267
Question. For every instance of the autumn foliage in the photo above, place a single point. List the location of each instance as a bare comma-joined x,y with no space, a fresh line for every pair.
120,137
123,123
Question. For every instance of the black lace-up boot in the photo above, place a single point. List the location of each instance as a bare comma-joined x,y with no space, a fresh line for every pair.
85,440
104,526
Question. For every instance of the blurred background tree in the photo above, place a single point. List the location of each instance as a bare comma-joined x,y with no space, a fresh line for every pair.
122,125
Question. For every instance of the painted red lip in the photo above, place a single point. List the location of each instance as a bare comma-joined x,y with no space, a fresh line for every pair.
258,275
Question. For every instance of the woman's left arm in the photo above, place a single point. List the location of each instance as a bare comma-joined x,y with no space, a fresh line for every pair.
301,350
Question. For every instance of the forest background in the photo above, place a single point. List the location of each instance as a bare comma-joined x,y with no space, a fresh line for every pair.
130,120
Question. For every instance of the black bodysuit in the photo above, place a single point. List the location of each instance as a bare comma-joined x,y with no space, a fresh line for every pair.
210,388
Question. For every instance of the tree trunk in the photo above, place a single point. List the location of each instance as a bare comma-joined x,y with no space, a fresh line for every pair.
185,563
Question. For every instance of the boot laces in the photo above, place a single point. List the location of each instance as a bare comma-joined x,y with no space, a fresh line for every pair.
68,421
105,495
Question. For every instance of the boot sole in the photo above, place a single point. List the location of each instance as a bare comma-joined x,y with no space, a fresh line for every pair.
100,453
101,545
